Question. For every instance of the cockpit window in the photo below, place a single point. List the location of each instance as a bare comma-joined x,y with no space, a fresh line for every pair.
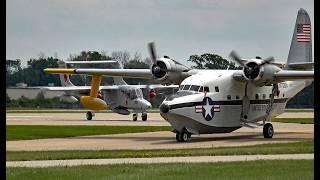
201,89
194,88
186,87
133,94
139,93
181,87
206,89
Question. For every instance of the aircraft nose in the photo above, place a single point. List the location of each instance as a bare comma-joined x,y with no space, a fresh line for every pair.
145,104
164,108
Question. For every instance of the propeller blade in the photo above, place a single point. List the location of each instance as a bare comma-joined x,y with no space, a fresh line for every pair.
234,56
267,60
152,52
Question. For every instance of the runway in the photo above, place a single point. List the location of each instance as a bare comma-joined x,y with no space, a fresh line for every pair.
284,132
154,119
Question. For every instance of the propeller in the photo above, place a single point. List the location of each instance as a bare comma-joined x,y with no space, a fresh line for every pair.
159,69
152,51
234,56
251,69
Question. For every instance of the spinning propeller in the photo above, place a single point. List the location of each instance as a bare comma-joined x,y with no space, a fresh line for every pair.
159,69
252,68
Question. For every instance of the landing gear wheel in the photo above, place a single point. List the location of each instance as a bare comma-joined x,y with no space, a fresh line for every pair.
134,117
183,136
89,115
178,137
268,130
144,117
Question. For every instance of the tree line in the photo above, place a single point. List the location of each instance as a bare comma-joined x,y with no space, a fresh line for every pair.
33,75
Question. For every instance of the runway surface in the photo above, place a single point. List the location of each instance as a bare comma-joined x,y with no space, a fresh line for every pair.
284,132
154,119
190,159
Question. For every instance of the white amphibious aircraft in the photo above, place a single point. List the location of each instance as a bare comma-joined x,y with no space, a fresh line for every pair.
221,101
120,96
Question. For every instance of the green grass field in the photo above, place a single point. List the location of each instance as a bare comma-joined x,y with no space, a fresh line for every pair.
262,170
24,132
294,120
279,148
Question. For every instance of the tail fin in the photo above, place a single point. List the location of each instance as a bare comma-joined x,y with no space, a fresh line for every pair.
118,80
64,78
301,43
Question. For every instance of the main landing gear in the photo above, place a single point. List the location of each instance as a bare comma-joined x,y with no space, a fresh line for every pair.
268,130
183,136
144,116
89,115
134,117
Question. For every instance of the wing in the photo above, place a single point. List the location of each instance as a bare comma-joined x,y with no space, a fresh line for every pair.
154,86
291,75
78,88
129,73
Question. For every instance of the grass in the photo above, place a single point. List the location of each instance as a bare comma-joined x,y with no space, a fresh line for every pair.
279,148
294,120
299,110
25,132
262,170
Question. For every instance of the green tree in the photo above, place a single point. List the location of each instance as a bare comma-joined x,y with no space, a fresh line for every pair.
33,74
211,61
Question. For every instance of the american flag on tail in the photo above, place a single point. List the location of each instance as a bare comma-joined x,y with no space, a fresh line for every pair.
303,33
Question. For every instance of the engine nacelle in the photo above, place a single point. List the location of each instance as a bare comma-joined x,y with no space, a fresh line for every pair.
168,71
262,75
93,103
68,98
152,93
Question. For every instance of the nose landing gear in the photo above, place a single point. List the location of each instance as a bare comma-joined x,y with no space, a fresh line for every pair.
134,117
144,116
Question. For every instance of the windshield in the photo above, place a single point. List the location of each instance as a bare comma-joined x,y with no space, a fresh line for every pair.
133,94
179,94
139,93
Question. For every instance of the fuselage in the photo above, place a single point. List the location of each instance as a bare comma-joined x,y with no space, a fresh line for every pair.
125,98
211,101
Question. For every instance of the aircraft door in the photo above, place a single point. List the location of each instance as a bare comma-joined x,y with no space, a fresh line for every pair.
245,105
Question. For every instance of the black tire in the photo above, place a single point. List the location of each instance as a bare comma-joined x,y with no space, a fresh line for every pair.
89,115
144,117
268,130
134,117
184,136
178,137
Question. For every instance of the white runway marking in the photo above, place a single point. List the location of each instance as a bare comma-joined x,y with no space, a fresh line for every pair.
189,159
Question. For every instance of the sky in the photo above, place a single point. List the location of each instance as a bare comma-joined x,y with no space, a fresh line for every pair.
179,28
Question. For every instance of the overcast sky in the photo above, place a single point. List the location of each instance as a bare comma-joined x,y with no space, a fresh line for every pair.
180,28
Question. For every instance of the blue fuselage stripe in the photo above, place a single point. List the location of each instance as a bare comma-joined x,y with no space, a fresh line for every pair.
235,102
